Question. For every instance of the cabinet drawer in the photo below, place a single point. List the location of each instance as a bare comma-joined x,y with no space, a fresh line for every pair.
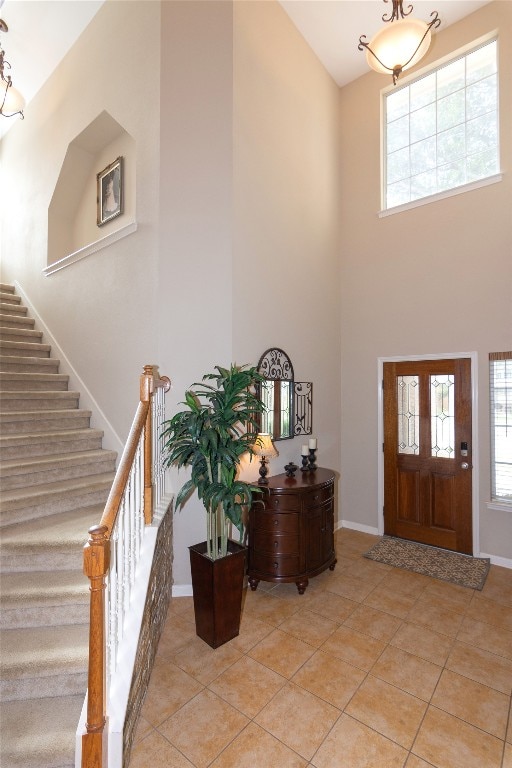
265,541
282,502
275,565
318,496
282,523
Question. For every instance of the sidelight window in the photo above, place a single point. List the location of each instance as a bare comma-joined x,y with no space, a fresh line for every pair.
500,364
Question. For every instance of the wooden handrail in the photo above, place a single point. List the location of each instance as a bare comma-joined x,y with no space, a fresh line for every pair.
115,496
97,554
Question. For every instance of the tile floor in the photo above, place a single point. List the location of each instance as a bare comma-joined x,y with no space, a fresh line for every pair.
373,667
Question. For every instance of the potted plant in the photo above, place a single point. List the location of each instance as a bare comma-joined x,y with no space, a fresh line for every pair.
217,428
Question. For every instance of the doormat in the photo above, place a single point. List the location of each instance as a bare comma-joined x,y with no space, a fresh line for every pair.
464,570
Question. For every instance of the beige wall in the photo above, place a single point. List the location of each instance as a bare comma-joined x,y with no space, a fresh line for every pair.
285,265
100,310
195,282
248,232
432,280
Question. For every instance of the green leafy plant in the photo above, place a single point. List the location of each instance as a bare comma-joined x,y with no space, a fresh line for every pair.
219,426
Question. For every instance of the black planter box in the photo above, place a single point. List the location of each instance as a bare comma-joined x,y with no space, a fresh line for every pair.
217,587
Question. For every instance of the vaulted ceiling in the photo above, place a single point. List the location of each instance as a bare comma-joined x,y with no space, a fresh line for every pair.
42,31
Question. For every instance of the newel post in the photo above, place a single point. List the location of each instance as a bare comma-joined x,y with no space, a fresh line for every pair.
147,387
96,564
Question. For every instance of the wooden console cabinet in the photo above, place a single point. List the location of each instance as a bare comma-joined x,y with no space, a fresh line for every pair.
291,534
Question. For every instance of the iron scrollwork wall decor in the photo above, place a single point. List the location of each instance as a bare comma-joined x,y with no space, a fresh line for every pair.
303,407
288,404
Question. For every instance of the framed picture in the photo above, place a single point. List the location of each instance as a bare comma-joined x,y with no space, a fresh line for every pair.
110,192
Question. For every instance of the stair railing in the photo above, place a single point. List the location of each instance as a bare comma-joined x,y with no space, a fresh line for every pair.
112,551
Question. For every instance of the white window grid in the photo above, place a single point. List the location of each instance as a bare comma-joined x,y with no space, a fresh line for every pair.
443,129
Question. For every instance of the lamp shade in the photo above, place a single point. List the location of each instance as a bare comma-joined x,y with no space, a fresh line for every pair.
264,446
14,101
399,46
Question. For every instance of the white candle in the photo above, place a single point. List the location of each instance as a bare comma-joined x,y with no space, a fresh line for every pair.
312,442
304,450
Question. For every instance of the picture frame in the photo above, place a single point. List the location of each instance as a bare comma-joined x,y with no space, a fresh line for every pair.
110,192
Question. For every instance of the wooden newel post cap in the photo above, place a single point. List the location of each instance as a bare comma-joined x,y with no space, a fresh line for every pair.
97,552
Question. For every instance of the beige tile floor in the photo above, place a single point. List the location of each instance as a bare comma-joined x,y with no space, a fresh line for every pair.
373,667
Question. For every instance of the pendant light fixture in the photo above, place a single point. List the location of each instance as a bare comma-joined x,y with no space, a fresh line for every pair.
401,45
11,100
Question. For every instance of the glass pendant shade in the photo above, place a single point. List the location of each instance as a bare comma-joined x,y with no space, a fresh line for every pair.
14,101
396,44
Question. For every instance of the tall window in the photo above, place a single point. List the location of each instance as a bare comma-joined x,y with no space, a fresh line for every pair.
441,130
500,364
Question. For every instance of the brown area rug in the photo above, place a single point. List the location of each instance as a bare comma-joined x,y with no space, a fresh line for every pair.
464,570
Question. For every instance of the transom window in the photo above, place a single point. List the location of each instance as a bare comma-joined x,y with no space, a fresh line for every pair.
441,130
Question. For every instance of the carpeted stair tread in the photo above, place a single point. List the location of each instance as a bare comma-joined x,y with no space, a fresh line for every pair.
19,496
16,321
62,531
48,443
25,348
12,380
42,598
47,651
7,307
43,588
22,504
28,364
8,296
20,334
17,473
38,464
40,400
39,732
22,422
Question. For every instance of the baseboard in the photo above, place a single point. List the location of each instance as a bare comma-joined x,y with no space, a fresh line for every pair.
357,527
111,439
504,562
182,590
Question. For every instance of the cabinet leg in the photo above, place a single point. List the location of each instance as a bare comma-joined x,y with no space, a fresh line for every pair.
253,583
333,565
301,585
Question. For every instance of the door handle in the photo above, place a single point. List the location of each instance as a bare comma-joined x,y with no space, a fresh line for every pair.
464,465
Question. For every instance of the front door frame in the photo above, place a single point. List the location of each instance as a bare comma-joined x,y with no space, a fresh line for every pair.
473,356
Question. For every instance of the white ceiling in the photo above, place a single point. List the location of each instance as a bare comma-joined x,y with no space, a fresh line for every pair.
333,27
42,31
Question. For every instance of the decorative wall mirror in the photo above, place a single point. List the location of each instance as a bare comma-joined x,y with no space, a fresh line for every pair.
288,404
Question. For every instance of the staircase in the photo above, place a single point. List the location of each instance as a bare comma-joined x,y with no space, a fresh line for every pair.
55,478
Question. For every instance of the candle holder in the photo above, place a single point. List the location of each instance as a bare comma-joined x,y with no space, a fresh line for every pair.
305,464
311,459
290,469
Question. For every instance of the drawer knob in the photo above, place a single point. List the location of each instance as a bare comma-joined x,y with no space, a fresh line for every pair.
276,565
276,521
275,544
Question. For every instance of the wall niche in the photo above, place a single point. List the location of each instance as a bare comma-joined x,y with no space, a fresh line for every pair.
73,232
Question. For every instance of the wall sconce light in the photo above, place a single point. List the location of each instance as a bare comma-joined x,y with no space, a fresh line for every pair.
11,100
400,46
265,448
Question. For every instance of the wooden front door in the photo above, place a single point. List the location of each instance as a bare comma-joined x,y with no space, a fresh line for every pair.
427,452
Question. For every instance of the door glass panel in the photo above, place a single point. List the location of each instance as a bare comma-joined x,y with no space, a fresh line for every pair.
408,392
442,414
